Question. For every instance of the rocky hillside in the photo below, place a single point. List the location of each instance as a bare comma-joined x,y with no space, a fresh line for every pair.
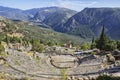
51,16
86,23
13,13
46,17
30,31
89,22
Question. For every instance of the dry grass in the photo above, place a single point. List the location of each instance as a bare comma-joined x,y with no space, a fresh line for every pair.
19,35
4,76
30,54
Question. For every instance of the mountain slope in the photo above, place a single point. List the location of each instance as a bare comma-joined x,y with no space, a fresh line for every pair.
32,31
86,24
53,16
13,13
46,17
90,21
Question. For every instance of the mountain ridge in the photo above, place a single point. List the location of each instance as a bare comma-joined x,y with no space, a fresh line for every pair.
40,16
86,23
94,19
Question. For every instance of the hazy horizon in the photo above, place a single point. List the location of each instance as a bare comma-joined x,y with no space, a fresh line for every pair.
77,5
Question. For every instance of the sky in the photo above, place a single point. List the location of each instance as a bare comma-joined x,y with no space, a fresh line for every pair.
77,5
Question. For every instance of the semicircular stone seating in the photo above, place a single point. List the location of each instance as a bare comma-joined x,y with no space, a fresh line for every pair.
61,62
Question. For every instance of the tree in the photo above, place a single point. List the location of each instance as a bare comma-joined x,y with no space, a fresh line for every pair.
110,46
50,43
118,45
15,39
93,44
36,46
102,40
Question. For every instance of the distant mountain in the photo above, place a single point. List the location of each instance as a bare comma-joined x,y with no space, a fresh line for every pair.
52,16
13,13
89,21
86,24
46,17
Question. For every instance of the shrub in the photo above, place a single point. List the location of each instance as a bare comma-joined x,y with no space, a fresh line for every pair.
50,43
36,46
1,48
118,45
105,77
85,46
110,46
15,40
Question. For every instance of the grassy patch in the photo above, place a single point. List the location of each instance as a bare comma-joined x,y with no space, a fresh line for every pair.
30,54
63,74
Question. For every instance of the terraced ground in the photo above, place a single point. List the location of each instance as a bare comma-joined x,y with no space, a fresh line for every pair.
39,66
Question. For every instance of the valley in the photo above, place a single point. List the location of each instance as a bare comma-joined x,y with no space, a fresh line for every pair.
85,24
56,43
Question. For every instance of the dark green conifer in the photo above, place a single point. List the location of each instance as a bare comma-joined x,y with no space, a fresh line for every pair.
93,45
102,40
